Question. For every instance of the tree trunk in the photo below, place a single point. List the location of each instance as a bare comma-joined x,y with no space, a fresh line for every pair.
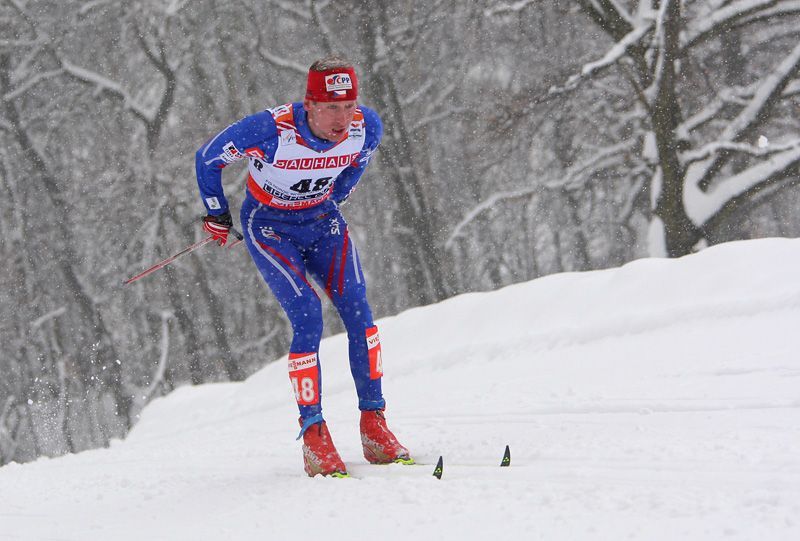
680,233
422,254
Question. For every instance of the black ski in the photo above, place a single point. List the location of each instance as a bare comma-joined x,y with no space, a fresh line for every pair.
437,472
504,463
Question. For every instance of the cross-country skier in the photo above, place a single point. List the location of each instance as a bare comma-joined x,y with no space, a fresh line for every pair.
305,159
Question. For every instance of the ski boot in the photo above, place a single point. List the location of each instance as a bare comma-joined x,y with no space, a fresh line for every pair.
379,444
319,454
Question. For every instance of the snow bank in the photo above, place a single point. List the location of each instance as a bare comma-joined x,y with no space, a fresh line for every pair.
654,401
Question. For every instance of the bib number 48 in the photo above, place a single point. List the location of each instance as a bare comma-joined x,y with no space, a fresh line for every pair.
308,185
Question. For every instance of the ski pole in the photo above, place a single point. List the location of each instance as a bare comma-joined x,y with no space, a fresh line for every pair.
187,250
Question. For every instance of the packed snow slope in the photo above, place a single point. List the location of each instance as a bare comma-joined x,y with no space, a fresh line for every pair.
656,401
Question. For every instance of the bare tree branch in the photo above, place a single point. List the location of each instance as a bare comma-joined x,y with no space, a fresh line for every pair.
713,148
700,29
503,8
742,189
30,83
765,96
112,88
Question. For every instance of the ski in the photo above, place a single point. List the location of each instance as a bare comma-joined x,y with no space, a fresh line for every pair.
438,470
505,462
506,458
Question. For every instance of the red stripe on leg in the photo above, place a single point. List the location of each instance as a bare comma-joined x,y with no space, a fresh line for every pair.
286,261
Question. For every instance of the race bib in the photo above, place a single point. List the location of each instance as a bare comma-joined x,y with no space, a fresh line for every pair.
374,352
304,375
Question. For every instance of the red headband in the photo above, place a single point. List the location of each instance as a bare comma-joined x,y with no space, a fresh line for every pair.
338,84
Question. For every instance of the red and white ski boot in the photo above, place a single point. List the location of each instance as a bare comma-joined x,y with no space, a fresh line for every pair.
379,444
320,456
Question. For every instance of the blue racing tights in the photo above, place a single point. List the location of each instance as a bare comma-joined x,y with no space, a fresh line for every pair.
287,246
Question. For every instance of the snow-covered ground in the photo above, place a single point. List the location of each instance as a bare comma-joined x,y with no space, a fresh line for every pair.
657,401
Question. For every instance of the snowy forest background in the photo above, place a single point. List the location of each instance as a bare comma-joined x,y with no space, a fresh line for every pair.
522,138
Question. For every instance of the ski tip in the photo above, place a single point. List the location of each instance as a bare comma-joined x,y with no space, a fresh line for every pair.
437,472
340,475
506,458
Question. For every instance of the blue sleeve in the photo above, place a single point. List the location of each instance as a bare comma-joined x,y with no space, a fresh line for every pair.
347,179
232,144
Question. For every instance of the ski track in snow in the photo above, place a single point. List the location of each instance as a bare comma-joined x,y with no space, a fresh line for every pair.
657,401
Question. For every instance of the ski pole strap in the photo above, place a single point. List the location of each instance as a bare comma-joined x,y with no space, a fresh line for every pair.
307,423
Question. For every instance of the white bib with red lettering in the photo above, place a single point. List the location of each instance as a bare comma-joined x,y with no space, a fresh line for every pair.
299,176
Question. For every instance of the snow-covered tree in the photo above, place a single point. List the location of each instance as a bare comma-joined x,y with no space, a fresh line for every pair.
715,85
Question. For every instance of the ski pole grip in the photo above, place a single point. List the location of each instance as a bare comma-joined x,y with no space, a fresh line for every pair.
236,233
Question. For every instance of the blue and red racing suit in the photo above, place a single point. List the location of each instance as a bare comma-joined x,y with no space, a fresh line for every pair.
293,228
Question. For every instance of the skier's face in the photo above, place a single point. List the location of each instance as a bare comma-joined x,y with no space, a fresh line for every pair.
330,119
